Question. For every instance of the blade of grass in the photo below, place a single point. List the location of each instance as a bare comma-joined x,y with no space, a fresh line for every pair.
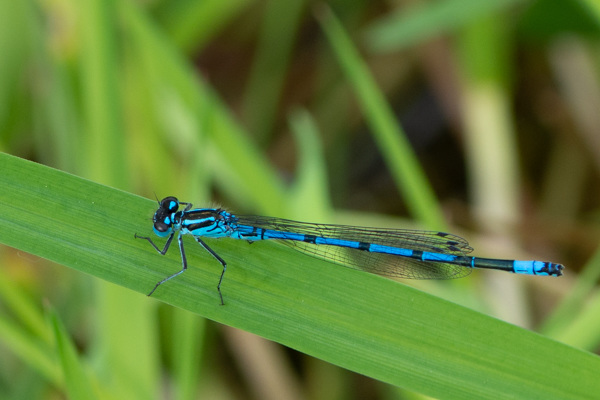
237,164
192,24
393,144
408,27
103,119
16,42
593,7
20,304
189,331
490,143
362,322
310,193
584,329
269,69
570,308
76,380
31,350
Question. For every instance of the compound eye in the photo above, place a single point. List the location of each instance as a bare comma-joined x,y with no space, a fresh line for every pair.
161,226
171,204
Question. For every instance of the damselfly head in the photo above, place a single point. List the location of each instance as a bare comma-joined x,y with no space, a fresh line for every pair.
169,204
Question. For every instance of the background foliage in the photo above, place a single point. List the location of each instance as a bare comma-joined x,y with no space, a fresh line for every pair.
462,115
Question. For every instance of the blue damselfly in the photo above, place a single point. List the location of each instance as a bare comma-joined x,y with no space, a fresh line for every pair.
400,253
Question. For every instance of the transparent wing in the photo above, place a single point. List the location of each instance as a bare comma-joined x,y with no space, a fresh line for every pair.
378,263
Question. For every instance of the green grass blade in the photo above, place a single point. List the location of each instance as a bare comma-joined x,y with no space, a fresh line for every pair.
238,164
188,333
571,306
269,69
393,144
310,193
19,303
362,322
405,28
102,103
192,24
584,329
77,382
29,349
593,7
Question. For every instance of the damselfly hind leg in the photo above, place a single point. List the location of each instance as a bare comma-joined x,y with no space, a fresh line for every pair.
220,260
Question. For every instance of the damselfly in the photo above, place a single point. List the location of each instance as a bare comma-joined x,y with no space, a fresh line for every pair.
397,253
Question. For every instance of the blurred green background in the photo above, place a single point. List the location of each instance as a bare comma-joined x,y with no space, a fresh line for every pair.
475,117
